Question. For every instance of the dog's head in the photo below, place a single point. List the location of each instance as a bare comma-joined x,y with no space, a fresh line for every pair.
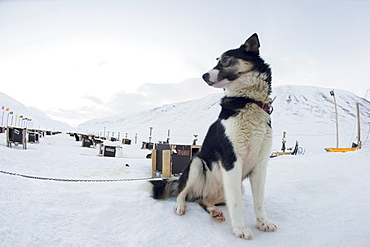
235,63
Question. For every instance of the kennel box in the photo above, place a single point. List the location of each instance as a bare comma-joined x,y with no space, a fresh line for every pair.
110,151
147,145
16,135
87,142
126,141
33,137
172,159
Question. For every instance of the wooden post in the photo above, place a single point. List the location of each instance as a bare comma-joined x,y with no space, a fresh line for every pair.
154,162
166,163
24,137
359,143
8,144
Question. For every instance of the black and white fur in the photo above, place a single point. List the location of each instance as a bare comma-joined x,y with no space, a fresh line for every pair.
237,144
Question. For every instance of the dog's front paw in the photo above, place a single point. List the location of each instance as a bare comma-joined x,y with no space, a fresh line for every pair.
243,232
266,225
179,209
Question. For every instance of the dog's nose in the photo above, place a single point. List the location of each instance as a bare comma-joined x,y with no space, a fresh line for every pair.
206,77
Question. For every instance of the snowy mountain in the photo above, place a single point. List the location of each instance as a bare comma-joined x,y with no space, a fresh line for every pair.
301,111
305,113
39,119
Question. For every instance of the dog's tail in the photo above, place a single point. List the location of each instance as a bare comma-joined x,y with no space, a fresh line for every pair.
165,188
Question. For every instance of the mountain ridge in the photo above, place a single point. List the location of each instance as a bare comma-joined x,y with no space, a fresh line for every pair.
39,119
299,110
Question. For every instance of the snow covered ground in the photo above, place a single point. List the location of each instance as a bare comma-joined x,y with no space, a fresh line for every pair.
318,199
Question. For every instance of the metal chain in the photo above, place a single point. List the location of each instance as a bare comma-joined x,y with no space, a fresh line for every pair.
77,180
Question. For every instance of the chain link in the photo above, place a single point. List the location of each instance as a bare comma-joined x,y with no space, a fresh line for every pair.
78,180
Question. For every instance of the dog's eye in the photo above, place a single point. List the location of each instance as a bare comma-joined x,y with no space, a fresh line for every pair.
225,61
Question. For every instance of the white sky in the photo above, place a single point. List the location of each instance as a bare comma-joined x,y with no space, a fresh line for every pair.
83,59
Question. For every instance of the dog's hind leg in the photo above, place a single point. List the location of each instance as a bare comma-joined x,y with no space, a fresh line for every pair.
257,180
210,207
233,192
192,182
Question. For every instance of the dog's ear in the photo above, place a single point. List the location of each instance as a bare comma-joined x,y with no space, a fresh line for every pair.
252,44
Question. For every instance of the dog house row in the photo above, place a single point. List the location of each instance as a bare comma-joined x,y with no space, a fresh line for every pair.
20,135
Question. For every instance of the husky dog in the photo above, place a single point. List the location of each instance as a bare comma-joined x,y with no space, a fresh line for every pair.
237,144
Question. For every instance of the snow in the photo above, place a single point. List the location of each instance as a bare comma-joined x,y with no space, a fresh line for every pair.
316,199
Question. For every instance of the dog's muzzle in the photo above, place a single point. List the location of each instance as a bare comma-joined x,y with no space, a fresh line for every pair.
211,77
206,77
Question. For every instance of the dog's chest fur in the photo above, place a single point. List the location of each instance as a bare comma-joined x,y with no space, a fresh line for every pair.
248,128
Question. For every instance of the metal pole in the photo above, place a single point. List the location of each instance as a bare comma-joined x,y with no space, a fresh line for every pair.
150,134
359,144
336,115
336,120
168,136
283,141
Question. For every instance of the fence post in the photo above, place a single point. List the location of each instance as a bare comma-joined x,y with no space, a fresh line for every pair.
154,162
166,165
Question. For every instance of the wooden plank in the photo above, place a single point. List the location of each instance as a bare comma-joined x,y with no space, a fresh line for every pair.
154,162
340,149
282,153
166,165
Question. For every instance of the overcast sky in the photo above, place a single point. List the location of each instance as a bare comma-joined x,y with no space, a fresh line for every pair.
83,59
